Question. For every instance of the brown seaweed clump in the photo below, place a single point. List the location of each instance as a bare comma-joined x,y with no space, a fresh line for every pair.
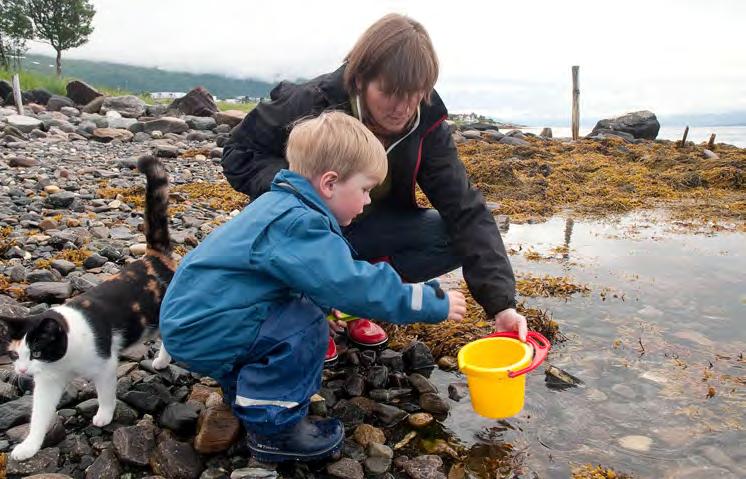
219,196
589,471
548,286
446,338
601,177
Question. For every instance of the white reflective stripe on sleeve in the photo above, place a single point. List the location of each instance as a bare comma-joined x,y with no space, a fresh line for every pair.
246,402
417,297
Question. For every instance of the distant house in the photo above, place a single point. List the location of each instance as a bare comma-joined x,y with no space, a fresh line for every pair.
172,95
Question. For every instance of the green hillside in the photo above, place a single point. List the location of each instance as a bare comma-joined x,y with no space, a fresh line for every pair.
142,79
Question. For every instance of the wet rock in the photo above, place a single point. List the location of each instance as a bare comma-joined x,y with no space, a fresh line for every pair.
8,392
433,403
346,468
377,377
166,151
15,412
389,415
75,446
176,460
558,379
418,358
106,466
458,391
180,418
422,384
354,385
366,434
134,444
420,420
253,473
448,363
54,436
217,429
377,465
349,413
636,443
424,467
392,360
509,140
388,395
142,401
43,461
94,261
318,406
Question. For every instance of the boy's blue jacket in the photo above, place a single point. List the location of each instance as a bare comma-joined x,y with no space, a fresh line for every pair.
284,244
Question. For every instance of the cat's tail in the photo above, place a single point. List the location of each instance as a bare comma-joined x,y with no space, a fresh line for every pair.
156,204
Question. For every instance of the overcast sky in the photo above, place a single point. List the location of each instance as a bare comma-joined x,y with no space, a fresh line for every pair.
509,59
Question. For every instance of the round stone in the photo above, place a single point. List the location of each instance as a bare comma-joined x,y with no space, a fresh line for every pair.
420,419
636,443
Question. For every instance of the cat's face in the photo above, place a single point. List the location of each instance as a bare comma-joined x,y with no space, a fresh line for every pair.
36,341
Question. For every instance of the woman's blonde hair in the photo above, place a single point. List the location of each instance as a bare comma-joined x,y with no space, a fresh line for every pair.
335,141
397,50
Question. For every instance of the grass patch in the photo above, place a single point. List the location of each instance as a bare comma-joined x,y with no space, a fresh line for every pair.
224,106
32,80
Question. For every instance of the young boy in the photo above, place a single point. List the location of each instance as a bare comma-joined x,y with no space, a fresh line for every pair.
247,306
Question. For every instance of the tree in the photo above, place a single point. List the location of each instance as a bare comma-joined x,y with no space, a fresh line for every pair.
15,29
64,24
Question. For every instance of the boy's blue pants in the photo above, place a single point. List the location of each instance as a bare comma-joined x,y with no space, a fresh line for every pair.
270,388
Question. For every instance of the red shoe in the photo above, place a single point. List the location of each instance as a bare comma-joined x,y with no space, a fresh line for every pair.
331,353
366,333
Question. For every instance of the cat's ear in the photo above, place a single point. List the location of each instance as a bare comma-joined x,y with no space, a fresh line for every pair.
13,328
49,329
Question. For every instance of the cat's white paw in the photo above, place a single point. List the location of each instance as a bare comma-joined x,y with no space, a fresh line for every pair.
161,363
24,451
102,418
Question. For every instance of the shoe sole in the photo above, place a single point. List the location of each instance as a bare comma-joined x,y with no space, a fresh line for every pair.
276,456
331,362
379,344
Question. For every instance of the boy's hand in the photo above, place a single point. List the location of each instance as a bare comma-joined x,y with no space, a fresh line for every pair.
456,305
336,326
510,320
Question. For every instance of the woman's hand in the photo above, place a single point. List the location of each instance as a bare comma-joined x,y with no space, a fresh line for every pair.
510,320
456,305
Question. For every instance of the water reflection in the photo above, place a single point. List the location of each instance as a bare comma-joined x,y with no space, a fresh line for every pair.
659,344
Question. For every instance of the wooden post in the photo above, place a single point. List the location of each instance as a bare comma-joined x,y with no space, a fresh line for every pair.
17,93
711,143
683,140
575,103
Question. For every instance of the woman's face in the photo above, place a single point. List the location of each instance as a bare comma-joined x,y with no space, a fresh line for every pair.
391,112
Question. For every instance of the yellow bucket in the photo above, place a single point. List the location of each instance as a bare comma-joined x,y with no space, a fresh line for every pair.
495,369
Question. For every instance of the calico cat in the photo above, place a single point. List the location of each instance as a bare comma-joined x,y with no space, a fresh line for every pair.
84,336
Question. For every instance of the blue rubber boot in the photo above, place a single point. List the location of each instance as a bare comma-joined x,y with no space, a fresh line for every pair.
311,439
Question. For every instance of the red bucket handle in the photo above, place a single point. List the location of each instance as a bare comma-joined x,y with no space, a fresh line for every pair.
540,344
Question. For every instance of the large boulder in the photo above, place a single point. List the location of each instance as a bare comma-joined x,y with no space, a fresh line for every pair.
81,92
197,102
640,124
129,106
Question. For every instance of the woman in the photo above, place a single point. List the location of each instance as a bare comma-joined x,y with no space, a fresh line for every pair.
387,82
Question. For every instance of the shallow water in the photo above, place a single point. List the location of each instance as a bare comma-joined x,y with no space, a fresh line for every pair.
663,323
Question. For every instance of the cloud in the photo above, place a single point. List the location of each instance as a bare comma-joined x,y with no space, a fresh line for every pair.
511,59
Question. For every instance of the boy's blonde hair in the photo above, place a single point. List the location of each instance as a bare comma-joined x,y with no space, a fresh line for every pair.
335,141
